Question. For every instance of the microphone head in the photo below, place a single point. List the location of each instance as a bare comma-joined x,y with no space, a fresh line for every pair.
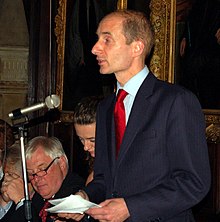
52,101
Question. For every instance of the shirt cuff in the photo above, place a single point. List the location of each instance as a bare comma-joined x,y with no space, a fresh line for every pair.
20,203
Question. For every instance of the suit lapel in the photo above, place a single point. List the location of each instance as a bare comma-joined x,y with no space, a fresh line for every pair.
138,114
111,134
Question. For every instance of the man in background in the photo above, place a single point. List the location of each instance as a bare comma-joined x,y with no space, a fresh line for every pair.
48,172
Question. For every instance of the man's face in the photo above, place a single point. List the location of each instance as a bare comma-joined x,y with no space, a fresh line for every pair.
86,134
111,50
50,183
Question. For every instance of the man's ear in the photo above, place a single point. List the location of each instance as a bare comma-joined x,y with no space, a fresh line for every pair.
63,162
138,47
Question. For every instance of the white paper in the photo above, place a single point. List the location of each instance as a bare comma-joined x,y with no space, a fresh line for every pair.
70,204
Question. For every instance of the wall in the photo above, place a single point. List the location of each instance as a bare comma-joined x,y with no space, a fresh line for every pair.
14,44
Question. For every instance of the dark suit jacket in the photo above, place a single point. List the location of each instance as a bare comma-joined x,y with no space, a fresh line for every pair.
9,214
162,168
71,184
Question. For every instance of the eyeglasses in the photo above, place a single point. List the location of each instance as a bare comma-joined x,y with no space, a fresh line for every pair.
41,173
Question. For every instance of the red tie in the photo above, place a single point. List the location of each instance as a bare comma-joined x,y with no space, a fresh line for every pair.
43,212
119,115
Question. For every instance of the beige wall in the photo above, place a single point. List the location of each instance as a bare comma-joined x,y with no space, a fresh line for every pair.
13,57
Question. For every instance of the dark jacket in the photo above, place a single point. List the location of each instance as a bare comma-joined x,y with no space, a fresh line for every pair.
162,169
8,215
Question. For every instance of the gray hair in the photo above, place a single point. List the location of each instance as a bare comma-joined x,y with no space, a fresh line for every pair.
13,157
52,147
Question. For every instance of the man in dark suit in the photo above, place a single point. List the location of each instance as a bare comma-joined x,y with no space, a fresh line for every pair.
47,169
162,168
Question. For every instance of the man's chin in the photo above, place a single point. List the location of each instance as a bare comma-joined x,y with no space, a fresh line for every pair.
43,191
104,71
45,196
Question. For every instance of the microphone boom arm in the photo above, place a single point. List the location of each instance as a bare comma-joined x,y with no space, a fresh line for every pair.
18,112
51,102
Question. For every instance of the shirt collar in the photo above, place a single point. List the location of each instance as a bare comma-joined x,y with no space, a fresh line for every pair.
133,84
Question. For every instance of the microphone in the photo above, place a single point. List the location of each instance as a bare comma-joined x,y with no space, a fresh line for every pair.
51,102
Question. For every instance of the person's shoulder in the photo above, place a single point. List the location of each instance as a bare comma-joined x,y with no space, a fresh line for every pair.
171,90
71,184
73,175
107,100
173,87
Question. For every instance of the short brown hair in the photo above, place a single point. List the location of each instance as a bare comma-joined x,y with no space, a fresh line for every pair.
136,27
85,110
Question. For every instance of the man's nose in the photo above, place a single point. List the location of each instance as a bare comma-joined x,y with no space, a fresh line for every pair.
36,178
96,48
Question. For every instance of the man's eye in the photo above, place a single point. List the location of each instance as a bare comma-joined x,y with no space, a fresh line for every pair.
107,40
41,170
81,140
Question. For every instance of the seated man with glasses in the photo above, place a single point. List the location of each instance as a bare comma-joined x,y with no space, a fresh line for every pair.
48,172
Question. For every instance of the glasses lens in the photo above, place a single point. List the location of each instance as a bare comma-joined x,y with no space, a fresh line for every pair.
42,173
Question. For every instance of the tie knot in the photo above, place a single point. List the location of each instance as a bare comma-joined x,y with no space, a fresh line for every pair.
121,95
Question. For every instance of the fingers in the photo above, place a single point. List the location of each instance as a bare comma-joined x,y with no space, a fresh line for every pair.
10,177
13,175
4,186
74,216
112,210
4,183
4,194
12,181
13,188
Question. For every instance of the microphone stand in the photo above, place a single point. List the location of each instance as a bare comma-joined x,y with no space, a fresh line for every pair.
27,201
